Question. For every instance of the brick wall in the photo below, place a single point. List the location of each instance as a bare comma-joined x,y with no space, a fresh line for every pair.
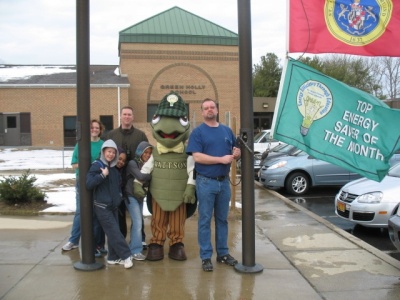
195,71
48,106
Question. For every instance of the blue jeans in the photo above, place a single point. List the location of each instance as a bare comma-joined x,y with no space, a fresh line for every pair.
76,223
213,196
98,232
135,209
117,245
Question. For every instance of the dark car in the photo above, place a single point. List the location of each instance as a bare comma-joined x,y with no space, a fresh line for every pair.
277,151
280,150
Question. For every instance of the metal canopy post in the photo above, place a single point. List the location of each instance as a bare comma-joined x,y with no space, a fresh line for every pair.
247,136
88,262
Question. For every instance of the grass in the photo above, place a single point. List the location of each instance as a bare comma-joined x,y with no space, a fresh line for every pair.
24,209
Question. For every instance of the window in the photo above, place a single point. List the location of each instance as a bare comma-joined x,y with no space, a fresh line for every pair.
11,122
108,122
69,131
25,120
1,124
151,110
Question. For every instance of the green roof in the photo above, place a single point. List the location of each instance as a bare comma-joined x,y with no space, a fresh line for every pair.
178,26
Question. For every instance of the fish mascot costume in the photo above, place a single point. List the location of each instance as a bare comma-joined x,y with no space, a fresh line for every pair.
171,198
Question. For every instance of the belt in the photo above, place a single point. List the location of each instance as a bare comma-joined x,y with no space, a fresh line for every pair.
218,178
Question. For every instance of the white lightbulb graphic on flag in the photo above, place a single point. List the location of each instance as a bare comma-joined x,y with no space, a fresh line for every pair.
314,101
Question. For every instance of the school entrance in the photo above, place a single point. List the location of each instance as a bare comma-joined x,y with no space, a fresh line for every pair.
262,121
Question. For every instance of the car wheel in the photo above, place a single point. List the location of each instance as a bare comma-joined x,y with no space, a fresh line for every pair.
297,184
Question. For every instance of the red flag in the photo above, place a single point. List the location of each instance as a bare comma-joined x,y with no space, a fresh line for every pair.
360,27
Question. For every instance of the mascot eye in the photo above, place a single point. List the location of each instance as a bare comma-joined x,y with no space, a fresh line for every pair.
155,119
184,121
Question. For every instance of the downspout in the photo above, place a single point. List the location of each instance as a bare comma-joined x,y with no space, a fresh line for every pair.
119,105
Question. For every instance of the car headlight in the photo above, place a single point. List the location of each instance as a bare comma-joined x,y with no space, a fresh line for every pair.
278,165
374,197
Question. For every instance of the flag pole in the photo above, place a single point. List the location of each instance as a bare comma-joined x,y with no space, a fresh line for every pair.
285,63
278,98
246,132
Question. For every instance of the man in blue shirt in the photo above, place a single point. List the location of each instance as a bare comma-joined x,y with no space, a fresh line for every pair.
213,148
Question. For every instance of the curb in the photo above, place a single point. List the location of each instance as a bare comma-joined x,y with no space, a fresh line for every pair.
355,240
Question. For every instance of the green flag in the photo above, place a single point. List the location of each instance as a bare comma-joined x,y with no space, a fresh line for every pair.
335,122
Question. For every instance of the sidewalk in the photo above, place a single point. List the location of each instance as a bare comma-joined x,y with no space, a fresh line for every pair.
303,256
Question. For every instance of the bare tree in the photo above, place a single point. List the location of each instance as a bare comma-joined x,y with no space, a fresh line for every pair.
377,73
391,76
379,76
357,72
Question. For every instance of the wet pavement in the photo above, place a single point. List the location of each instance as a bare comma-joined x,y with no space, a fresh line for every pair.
302,255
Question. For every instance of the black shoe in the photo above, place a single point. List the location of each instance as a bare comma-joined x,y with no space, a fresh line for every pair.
207,265
227,259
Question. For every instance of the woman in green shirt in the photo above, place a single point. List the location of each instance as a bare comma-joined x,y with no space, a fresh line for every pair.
96,130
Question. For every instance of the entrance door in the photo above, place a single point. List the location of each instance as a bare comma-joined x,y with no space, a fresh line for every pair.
11,130
262,122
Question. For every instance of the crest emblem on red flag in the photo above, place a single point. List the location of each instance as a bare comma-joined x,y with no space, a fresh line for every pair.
361,27
358,23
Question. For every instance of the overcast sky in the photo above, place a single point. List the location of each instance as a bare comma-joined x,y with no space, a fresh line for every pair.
44,31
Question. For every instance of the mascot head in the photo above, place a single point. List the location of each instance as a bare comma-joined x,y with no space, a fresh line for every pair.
170,123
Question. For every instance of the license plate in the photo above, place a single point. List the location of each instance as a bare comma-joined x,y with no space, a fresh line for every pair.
341,206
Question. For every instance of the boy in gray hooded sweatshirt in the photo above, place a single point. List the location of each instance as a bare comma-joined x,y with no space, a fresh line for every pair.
105,181
135,204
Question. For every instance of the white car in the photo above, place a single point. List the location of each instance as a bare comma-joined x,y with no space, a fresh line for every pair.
263,142
368,202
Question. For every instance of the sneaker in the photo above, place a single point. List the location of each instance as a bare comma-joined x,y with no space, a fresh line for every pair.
206,264
102,250
144,245
115,262
97,253
138,256
69,246
128,262
227,259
